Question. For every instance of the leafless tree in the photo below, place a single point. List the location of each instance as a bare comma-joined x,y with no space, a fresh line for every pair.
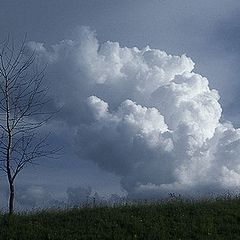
23,102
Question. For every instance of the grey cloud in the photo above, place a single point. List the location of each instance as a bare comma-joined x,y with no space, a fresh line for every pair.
145,116
82,196
35,197
78,196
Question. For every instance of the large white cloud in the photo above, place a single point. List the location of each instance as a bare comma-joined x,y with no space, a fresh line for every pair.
144,115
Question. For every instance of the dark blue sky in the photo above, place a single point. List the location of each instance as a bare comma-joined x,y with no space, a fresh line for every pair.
206,31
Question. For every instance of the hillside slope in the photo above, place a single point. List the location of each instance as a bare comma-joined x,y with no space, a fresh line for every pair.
208,219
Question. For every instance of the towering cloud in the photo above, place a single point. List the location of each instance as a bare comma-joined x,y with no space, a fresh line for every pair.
143,115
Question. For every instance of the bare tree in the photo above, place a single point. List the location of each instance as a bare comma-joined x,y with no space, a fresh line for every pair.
23,99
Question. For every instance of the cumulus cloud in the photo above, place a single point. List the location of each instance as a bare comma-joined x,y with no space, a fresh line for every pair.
81,196
35,196
143,115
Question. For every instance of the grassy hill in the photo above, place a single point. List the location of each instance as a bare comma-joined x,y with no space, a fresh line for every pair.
207,219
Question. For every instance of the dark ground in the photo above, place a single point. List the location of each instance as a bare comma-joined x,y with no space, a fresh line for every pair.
177,219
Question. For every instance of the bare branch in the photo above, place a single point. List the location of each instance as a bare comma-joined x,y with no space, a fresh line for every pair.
23,102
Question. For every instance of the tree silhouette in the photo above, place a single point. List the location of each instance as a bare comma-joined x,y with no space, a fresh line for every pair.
23,102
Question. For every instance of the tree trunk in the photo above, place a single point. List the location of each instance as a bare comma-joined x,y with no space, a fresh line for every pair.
11,199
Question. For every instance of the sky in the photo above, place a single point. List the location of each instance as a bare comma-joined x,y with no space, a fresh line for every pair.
149,92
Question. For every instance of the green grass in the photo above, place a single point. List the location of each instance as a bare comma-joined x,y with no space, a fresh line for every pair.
206,219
